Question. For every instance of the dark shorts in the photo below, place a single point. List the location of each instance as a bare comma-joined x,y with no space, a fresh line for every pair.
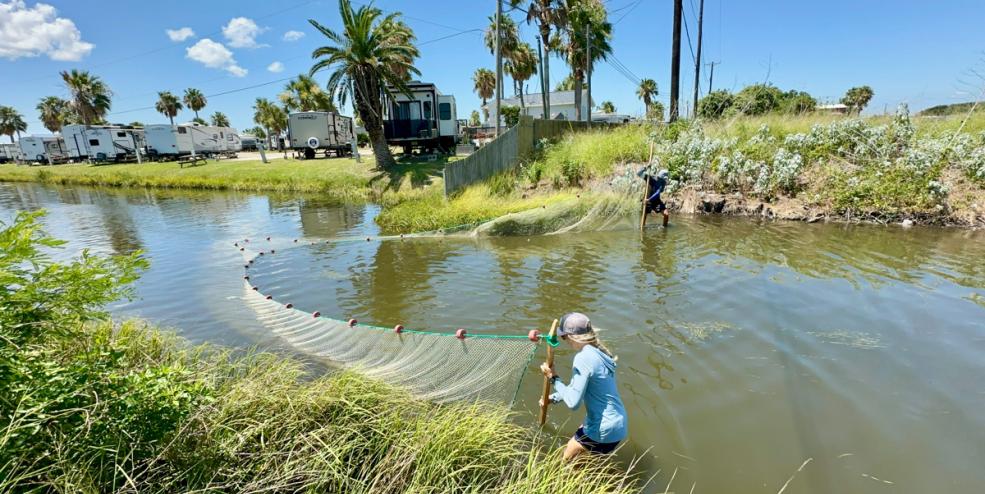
593,446
657,205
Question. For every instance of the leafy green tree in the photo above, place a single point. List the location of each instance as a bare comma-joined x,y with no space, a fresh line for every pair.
194,101
656,111
90,96
714,104
257,132
11,122
570,42
220,119
271,117
511,115
167,105
607,107
373,55
521,66
758,99
566,84
797,102
304,94
52,111
857,98
485,84
136,123
646,91
475,119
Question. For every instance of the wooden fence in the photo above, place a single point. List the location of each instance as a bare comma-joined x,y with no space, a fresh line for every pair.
504,152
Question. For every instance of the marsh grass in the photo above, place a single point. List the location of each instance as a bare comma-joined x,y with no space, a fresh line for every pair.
156,415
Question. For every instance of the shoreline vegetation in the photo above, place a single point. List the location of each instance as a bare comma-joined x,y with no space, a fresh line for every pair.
96,406
924,170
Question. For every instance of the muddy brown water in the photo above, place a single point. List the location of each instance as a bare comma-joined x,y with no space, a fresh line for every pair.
746,348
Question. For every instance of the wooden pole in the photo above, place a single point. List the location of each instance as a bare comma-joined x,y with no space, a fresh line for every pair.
697,60
499,61
675,63
547,382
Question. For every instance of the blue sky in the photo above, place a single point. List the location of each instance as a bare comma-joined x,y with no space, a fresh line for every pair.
918,52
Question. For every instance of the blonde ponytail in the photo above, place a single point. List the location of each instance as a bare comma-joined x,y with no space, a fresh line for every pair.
595,341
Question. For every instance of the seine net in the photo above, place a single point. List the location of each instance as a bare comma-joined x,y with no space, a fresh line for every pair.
439,367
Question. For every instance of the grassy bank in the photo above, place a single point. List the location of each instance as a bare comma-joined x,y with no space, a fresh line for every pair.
88,405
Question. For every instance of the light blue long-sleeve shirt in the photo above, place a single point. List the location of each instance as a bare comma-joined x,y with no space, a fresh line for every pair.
594,383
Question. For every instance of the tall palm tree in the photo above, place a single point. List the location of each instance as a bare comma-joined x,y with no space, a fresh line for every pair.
585,18
509,36
371,57
11,122
304,94
647,90
90,95
607,107
261,116
168,105
485,84
548,14
52,110
194,100
521,66
220,119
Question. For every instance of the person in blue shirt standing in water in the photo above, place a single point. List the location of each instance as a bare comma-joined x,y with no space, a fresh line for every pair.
654,187
593,381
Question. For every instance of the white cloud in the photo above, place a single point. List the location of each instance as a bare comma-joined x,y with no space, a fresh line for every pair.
214,55
180,34
31,32
276,67
242,32
293,35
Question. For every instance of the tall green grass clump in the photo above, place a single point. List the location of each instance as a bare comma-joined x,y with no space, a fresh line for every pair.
92,406
581,156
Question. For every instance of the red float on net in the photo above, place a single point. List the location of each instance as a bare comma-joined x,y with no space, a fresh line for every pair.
398,328
353,322
533,335
460,333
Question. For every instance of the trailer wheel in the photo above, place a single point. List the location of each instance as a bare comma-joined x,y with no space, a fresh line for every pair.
309,154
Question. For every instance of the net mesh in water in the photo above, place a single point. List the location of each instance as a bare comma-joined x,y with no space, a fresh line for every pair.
439,367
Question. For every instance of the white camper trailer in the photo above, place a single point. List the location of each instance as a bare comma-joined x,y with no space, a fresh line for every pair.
40,148
424,119
102,142
170,141
311,131
229,140
9,152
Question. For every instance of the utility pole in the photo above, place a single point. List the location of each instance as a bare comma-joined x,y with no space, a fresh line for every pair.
697,60
588,64
543,87
499,61
711,75
675,62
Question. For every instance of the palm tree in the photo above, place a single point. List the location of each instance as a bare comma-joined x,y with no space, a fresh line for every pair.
590,16
566,84
271,117
607,107
304,94
194,100
372,56
220,119
485,84
167,104
509,36
90,95
11,122
548,14
647,90
52,111
521,66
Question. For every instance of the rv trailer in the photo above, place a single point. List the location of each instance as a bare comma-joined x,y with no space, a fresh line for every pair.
423,118
171,141
102,142
249,142
9,152
311,131
229,140
40,148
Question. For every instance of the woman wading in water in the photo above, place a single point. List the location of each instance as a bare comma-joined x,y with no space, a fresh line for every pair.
593,381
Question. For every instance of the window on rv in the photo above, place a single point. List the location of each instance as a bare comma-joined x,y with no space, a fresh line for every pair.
93,142
444,111
121,134
182,130
427,110
407,110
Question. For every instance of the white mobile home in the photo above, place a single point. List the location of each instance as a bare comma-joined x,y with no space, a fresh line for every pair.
9,152
102,142
229,140
424,118
313,130
169,141
562,106
40,148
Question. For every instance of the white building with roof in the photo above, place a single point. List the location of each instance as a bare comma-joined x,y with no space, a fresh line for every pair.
562,106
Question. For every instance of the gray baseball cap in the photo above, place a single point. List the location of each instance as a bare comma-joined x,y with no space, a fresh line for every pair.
574,323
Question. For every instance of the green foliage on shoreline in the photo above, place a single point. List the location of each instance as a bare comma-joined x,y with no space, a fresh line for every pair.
88,405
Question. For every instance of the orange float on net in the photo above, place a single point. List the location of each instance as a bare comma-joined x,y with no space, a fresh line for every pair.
460,333
533,335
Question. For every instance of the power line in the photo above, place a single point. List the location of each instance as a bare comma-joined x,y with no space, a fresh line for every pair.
638,2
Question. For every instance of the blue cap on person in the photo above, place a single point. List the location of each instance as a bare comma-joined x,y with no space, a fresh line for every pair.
574,323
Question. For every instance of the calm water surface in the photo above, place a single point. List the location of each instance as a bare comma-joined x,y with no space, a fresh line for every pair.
746,348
